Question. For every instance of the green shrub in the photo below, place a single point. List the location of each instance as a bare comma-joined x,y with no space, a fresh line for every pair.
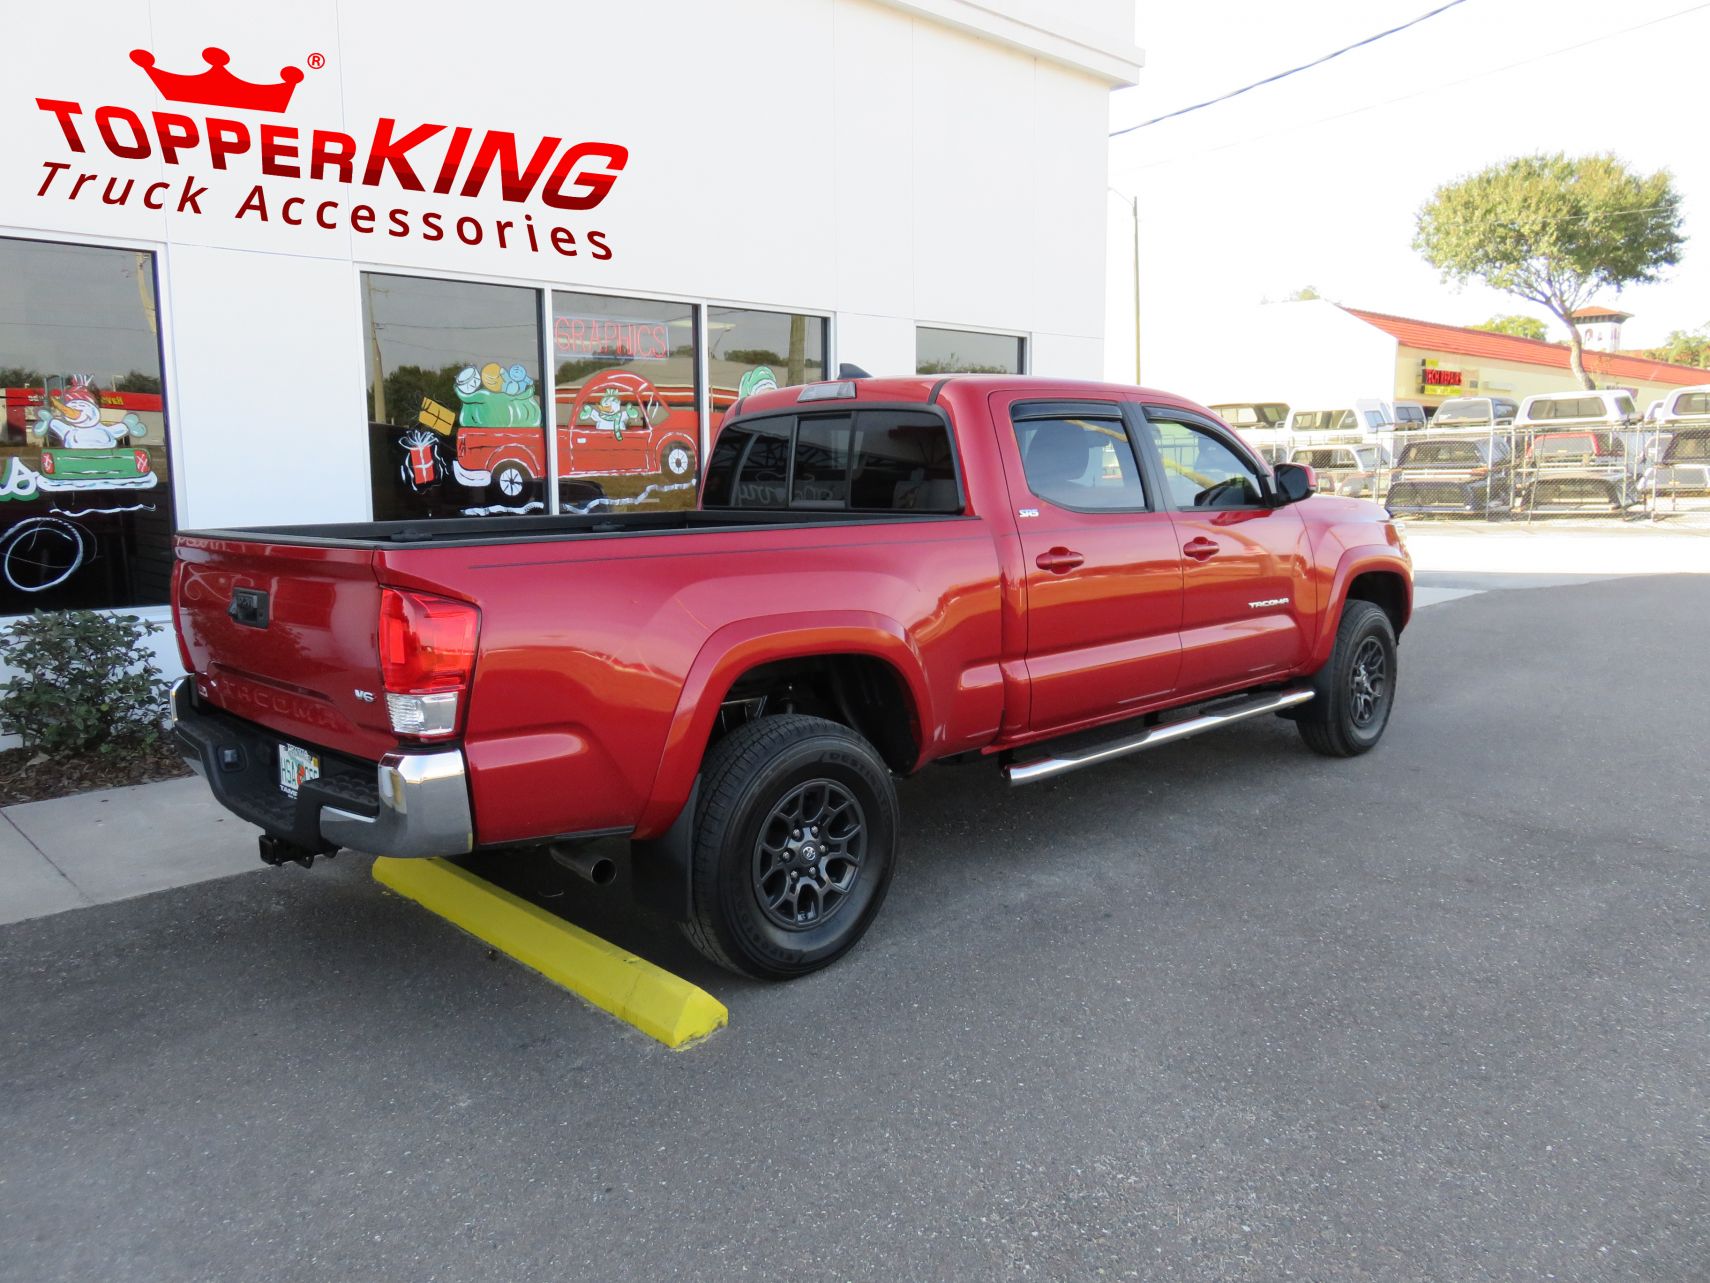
84,682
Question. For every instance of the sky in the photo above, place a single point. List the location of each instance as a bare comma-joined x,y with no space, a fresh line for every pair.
1316,181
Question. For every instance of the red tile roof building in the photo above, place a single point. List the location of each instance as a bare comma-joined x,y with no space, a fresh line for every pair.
1510,349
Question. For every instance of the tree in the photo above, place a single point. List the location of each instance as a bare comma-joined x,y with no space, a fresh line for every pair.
1685,347
1554,230
1521,327
1303,294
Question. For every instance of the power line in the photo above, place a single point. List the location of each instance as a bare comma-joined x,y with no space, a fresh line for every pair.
1429,89
1283,75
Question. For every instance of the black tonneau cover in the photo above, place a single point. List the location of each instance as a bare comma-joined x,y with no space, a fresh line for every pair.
475,531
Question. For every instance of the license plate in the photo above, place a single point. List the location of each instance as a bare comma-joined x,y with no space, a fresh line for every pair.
295,766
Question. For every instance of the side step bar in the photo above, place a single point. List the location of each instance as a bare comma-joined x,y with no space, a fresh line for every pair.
1248,706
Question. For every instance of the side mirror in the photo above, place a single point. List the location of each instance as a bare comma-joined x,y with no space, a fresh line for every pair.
1295,481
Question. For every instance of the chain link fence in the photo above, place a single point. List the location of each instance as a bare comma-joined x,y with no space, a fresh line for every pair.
1508,473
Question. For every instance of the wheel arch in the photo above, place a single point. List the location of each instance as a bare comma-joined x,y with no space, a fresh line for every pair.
1374,574
864,665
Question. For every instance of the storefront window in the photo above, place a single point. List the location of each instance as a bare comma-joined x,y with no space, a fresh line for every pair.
750,351
454,398
628,411
967,352
85,487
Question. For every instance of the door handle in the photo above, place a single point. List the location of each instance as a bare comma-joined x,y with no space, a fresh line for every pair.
1059,561
1200,548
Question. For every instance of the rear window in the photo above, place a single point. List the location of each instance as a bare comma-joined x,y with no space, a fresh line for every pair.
1443,452
1409,414
868,461
1325,421
1572,445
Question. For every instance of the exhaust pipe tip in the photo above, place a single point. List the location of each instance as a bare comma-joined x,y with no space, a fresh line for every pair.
599,869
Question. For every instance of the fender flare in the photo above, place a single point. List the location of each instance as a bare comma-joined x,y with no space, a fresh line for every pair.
1354,562
737,647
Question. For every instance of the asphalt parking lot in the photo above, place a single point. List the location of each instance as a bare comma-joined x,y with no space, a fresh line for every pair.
1224,1011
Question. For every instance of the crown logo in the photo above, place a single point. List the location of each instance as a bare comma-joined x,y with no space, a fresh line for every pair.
217,87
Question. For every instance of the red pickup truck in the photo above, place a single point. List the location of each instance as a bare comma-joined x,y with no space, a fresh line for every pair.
880,574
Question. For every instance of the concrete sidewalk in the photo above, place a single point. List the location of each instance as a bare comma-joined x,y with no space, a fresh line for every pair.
114,844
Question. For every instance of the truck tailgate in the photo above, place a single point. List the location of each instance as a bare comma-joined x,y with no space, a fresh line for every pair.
286,635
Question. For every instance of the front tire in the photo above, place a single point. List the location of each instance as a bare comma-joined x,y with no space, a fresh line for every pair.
1355,691
794,846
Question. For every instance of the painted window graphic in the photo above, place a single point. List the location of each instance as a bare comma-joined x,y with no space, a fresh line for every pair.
627,416
750,351
85,486
454,402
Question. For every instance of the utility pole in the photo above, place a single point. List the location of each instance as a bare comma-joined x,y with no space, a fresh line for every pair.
1133,203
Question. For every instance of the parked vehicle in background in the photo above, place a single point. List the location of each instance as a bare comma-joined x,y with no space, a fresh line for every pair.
1462,414
1609,408
1579,450
1452,475
1260,424
1355,470
1410,416
1682,466
880,574
1363,418
1567,471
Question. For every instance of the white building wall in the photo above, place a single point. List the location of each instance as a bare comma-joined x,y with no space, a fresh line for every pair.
856,158
1308,353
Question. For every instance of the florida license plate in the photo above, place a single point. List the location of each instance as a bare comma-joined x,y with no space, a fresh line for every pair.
295,766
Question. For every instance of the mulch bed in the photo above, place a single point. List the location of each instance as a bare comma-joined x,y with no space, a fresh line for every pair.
29,776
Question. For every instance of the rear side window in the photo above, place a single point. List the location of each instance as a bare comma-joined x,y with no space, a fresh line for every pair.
750,465
1084,464
868,461
1692,403
1576,407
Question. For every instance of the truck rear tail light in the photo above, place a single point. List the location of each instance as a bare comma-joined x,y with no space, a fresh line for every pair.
427,658
178,617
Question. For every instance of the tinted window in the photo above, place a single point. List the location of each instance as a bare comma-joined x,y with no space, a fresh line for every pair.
750,464
1409,414
1441,452
1199,470
1688,445
903,462
821,478
888,461
1080,463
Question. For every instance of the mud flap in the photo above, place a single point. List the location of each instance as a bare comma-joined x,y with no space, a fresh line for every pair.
660,867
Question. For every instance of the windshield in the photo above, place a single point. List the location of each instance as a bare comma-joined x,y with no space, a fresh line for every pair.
1257,414
1688,445
1441,452
1466,410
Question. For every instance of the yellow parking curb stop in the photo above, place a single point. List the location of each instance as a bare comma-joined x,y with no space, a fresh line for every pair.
661,1005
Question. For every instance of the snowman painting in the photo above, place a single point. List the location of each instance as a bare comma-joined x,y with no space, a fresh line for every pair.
609,412
83,449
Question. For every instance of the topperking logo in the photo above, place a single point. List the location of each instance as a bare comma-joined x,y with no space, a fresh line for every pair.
433,160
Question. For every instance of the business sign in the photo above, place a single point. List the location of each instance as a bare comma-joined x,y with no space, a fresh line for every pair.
1437,380
610,338
309,176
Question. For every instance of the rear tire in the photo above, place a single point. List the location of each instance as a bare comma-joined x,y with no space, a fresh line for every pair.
794,846
1353,693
